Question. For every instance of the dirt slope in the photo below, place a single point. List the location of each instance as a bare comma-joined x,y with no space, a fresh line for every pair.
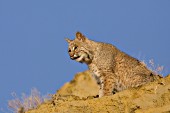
77,97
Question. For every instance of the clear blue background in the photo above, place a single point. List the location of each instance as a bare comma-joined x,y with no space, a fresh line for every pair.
33,52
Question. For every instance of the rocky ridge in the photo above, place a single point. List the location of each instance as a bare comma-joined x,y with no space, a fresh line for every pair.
78,96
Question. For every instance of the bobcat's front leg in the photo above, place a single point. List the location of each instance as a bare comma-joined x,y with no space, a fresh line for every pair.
107,85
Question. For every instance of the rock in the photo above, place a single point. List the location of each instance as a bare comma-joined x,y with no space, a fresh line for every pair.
83,85
77,96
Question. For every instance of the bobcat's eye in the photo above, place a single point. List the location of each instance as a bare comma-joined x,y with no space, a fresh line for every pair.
75,47
69,50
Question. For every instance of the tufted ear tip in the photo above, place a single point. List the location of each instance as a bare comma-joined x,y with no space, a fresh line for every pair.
80,36
68,40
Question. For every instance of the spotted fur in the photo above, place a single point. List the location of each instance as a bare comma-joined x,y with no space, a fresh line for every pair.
113,69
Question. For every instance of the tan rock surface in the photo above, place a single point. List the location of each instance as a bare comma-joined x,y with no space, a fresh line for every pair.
82,85
72,98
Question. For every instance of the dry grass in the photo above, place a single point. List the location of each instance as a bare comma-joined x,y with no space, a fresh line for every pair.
156,69
20,105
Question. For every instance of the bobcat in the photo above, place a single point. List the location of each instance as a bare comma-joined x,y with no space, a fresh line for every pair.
113,69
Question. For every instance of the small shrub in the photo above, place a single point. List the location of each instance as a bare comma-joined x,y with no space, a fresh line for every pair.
156,69
20,105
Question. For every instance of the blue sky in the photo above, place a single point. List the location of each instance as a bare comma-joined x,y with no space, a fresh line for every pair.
33,52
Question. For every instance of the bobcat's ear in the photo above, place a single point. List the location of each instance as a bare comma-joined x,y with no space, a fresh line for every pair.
68,40
80,37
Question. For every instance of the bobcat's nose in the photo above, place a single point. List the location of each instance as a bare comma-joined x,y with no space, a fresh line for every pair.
71,54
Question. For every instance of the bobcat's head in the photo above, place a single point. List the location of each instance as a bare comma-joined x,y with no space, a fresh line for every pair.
78,49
